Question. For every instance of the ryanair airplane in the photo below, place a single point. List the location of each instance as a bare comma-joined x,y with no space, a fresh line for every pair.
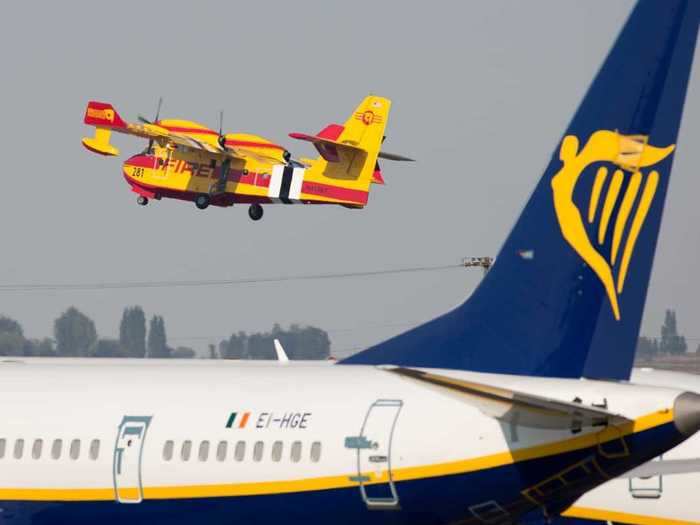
660,492
506,409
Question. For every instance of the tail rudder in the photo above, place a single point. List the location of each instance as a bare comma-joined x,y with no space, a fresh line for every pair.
365,126
566,294
348,152
105,119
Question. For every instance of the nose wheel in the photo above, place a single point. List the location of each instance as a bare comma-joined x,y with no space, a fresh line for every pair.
255,211
141,200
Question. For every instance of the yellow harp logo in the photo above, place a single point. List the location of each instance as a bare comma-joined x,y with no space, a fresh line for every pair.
629,153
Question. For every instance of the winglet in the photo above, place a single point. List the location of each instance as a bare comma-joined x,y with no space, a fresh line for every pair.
281,354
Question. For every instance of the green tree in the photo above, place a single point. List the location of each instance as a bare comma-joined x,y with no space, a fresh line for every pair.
261,346
671,341
183,352
647,348
299,342
235,347
157,340
11,344
10,326
308,342
132,332
75,334
109,348
39,348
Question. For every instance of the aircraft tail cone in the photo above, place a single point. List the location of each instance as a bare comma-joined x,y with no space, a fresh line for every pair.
686,413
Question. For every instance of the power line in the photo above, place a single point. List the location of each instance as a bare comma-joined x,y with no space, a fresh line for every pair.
121,285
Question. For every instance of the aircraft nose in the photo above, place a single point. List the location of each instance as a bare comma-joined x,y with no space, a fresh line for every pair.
686,413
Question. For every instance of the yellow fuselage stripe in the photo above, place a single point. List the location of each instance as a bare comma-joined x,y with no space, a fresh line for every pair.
621,517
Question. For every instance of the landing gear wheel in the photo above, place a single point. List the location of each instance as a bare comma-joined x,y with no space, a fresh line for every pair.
255,212
141,200
202,201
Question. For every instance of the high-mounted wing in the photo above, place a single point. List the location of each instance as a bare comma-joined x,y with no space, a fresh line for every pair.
514,407
106,119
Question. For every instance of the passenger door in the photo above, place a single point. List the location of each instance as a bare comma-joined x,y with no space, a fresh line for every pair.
128,452
373,449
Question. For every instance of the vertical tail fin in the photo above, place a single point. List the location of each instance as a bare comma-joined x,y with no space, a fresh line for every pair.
566,295
349,152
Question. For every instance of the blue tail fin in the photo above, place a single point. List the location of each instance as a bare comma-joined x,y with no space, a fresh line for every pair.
566,294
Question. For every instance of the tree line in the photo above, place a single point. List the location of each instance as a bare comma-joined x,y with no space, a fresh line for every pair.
670,341
75,335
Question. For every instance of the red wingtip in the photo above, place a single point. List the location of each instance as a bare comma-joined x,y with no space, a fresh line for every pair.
102,114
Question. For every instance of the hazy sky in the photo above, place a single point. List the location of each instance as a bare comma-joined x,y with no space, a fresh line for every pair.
482,91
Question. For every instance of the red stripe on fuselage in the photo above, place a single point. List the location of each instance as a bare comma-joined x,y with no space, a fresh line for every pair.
260,180
334,192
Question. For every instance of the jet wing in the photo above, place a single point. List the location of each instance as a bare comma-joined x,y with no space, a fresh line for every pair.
517,408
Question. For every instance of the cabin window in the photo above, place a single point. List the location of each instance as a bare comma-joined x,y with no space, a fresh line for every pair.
276,451
316,451
239,453
186,450
3,444
296,452
36,448
94,449
258,449
203,451
19,448
221,450
168,450
74,451
56,448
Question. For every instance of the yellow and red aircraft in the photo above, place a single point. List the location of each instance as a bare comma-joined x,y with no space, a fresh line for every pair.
188,161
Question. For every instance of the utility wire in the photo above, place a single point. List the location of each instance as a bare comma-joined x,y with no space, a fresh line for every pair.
121,285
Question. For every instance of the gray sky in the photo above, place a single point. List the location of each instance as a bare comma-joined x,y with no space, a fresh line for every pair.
465,78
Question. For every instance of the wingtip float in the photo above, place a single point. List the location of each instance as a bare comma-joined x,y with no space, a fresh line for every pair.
187,161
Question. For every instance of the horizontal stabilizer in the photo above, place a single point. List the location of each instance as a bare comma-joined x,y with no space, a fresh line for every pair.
665,468
393,156
517,407
328,148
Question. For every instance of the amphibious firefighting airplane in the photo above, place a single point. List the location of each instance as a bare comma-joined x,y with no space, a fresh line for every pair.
188,161
504,410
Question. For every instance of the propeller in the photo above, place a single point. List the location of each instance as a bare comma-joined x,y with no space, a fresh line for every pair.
144,120
221,139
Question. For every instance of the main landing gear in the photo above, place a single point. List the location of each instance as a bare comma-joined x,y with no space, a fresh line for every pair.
202,201
255,211
141,200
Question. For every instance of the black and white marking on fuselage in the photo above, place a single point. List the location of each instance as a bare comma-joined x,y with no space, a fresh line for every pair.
285,184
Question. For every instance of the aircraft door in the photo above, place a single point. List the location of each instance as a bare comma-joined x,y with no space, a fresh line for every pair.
373,447
128,452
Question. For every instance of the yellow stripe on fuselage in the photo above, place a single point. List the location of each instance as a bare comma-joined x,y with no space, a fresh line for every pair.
621,517
500,459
